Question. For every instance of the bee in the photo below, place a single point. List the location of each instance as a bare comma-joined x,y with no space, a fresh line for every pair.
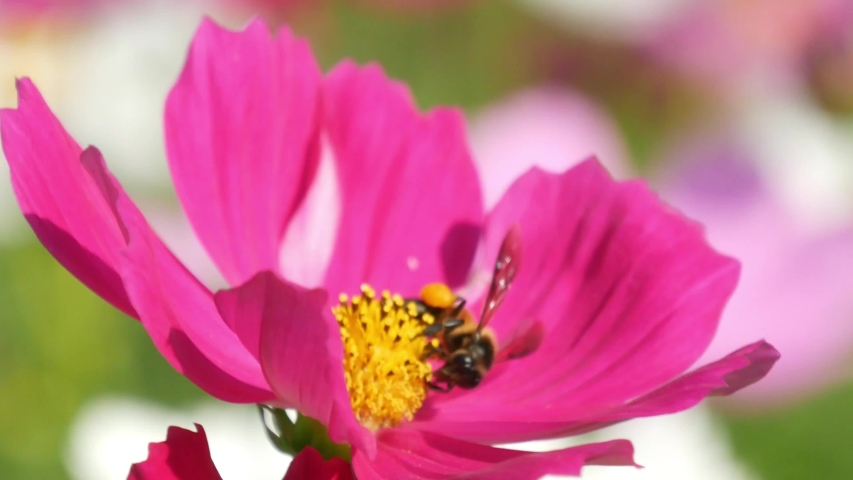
468,348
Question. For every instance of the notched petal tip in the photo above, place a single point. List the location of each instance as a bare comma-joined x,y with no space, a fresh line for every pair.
726,376
256,23
24,86
372,76
761,356
245,105
616,453
30,98
62,202
208,25
382,143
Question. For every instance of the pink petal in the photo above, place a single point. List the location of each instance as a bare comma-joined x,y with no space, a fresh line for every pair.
406,453
300,350
627,289
179,314
723,377
72,202
551,128
309,465
243,314
183,456
411,206
60,200
242,137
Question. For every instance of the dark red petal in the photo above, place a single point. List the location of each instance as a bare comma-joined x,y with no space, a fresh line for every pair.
309,465
183,456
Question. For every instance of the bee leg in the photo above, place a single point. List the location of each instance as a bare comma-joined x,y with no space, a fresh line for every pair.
433,329
439,388
458,309
440,378
420,307
453,323
434,351
436,328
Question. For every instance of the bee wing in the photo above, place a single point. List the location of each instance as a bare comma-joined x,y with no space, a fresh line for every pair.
506,267
526,339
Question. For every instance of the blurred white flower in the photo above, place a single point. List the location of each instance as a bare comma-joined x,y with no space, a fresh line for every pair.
112,433
806,154
106,76
116,88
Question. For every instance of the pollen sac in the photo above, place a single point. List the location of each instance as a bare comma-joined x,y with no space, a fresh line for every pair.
384,365
438,295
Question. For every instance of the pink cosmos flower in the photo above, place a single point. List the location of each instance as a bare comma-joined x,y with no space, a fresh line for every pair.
622,293
185,455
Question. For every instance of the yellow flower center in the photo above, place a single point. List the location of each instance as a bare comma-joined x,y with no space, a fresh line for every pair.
384,347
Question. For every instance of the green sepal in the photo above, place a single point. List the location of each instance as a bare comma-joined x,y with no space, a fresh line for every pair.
292,438
283,439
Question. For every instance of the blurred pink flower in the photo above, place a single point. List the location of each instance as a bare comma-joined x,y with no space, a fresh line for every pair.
796,286
551,128
625,292
726,42
185,455
29,10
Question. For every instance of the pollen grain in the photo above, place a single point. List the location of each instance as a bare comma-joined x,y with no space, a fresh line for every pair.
385,371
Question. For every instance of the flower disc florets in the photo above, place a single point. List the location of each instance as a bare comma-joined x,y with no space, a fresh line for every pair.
384,365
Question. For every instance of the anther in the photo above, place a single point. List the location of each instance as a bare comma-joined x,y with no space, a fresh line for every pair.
384,365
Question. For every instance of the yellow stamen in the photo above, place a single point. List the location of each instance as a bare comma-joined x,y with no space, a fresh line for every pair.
383,356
